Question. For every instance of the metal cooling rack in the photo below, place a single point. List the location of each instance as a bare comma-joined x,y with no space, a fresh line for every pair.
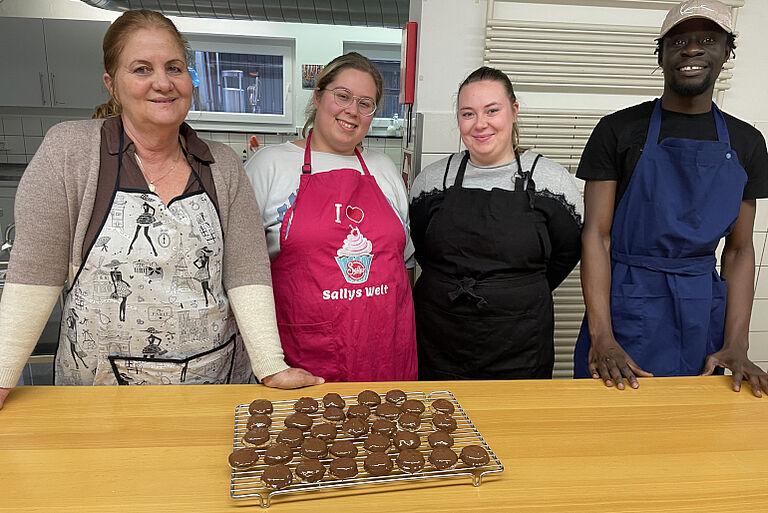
247,483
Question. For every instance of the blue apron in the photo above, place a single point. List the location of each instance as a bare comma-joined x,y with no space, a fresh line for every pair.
667,300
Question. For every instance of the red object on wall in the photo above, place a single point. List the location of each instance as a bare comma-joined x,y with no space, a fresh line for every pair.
408,63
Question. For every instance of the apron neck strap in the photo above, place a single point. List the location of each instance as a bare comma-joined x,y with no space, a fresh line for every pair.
654,128
462,168
307,167
722,128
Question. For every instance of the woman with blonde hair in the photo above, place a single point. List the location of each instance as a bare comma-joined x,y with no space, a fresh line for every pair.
105,179
335,218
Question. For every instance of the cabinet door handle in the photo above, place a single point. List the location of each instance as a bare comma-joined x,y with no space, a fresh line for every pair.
53,91
42,90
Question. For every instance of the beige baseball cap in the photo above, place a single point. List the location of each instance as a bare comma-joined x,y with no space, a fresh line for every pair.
708,9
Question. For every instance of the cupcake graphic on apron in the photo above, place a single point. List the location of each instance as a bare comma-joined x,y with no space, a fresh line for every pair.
355,257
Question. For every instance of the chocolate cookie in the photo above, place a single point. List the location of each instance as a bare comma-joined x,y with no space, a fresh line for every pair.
344,468
444,422
334,414
324,431
395,396
310,471
278,453
256,437
299,420
292,437
409,421
443,406
243,459
333,399
474,456
258,420
388,411
344,449
305,405
410,460
277,476
262,406
358,411
384,427
442,458
406,440
378,464
355,427
314,448
368,398
440,439
413,406
376,443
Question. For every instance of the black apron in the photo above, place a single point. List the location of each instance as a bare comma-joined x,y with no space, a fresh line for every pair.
483,303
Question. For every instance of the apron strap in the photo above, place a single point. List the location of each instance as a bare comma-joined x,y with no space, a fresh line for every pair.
654,128
722,128
307,167
447,167
462,168
694,266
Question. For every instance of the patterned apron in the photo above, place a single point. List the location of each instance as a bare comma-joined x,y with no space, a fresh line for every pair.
147,306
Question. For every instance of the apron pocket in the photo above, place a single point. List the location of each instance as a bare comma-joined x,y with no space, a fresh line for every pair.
313,347
213,366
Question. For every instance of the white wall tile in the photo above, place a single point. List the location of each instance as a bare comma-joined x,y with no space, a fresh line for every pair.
32,126
393,142
17,159
14,144
220,137
47,123
240,139
12,125
31,144
761,216
758,346
759,315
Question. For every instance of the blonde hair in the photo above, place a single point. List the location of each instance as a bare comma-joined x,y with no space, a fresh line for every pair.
351,60
114,42
495,75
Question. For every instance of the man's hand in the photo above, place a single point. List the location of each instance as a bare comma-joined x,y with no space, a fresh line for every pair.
742,368
292,378
609,362
3,394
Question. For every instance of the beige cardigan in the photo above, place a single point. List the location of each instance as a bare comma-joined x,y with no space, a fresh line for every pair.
53,209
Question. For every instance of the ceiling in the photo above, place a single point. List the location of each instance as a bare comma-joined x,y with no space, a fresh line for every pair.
366,13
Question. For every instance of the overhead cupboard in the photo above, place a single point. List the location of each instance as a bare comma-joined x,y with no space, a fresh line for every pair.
52,63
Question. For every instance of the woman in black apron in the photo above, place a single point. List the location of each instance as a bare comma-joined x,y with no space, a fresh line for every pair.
495,232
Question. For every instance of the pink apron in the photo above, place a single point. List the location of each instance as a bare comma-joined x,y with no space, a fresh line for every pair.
343,299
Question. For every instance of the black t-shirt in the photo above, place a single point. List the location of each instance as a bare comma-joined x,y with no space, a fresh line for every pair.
617,141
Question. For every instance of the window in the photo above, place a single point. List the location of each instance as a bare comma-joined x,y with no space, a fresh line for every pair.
242,81
386,58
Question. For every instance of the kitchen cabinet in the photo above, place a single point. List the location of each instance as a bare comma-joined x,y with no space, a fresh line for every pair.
52,63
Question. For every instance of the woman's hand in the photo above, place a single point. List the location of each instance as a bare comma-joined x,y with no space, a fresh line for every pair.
292,378
608,361
3,394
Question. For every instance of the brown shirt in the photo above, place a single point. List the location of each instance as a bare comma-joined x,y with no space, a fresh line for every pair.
196,152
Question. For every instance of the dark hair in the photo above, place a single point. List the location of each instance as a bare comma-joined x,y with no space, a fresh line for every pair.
351,60
494,75
731,42
114,42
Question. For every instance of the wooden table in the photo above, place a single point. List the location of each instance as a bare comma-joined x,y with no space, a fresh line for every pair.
675,444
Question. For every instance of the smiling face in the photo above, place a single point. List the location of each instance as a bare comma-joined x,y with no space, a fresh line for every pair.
486,118
339,129
152,83
692,55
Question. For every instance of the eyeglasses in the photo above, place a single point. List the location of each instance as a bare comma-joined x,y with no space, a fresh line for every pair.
343,97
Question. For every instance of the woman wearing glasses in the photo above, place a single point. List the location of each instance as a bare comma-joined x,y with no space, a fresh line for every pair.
335,218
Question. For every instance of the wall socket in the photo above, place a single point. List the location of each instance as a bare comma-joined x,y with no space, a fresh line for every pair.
3,146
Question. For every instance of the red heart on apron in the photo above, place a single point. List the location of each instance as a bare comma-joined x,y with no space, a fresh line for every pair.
355,214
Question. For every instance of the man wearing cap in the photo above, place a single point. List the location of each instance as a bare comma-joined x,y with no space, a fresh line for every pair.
666,180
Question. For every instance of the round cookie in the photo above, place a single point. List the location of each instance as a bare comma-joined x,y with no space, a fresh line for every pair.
310,471
299,420
332,399
243,459
369,398
442,406
292,437
376,443
277,476
384,427
358,411
413,406
262,406
378,464
278,453
474,456
406,440
440,439
355,427
395,396
409,422
388,411
314,448
305,405
334,414
325,431
344,449
258,420
410,461
444,422
442,458
256,437
344,468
